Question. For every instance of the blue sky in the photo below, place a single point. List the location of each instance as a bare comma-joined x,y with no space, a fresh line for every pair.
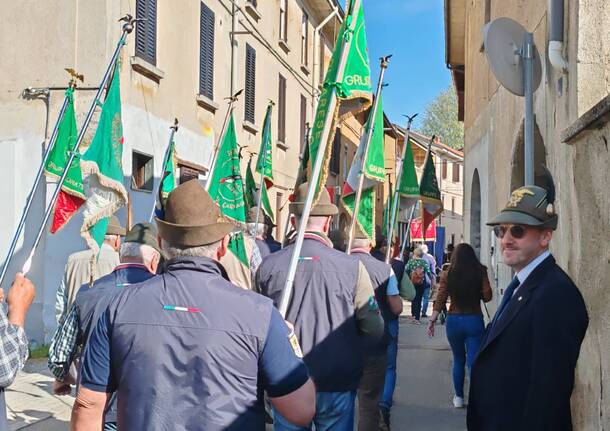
413,32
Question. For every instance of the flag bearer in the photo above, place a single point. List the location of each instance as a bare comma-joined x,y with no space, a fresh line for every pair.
187,350
385,284
332,307
140,254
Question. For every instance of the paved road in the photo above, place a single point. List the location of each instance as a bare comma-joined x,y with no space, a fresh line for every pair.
422,398
30,405
424,392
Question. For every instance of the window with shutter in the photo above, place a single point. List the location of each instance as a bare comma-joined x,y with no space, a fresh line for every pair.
284,20
206,52
146,31
444,168
304,39
281,111
456,173
303,123
250,91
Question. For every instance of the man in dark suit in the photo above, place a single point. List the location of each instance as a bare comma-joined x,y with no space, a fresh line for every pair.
523,375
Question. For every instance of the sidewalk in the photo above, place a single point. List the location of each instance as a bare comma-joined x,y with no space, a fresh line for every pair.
30,403
424,389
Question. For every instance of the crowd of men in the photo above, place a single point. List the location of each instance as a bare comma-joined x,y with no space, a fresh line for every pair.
168,331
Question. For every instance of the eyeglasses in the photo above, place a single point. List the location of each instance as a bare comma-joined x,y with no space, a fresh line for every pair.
517,231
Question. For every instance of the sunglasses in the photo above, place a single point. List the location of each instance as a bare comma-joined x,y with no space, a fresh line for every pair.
517,231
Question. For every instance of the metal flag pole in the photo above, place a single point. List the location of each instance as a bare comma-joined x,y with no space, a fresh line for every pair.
128,27
408,233
317,168
527,54
174,129
369,136
262,180
232,101
428,154
395,202
30,198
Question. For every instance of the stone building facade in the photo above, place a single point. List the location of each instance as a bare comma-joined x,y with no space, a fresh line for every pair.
572,110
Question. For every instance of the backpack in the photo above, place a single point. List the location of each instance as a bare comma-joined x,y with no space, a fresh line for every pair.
417,276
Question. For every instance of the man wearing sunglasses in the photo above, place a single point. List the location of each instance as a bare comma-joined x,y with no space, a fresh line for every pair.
523,375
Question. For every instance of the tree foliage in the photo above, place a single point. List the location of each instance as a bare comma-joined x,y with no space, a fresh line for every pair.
441,119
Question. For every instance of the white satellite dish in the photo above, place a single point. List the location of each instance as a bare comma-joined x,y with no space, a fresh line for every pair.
503,39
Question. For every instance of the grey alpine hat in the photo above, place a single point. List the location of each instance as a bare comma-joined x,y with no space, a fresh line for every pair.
530,206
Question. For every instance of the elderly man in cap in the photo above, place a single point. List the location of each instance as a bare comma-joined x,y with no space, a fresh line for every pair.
260,231
139,254
188,350
371,386
333,306
80,265
523,375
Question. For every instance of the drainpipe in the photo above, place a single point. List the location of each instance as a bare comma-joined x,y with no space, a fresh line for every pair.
556,36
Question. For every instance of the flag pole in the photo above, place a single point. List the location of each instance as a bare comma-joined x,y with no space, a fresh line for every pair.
317,168
408,233
301,156
127,28
369,136
232,101
262,180
30,198
174,129
423,227
395,202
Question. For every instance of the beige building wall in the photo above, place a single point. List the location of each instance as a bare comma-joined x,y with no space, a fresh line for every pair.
571,137
44,38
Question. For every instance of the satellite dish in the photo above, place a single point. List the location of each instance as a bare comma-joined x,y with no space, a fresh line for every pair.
503,40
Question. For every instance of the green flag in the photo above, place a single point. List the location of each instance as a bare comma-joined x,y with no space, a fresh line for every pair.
227,188
353,89
430,192
374,173
169,180
103,169
264,163
71,196
408,189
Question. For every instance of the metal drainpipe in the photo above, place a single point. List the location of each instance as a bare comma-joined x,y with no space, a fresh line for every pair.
556,36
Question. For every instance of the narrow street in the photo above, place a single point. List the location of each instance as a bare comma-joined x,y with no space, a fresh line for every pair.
424,392
422,399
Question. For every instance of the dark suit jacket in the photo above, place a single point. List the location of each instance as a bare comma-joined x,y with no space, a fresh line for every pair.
523,375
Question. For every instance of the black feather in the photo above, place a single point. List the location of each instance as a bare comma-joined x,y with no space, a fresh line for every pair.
549,186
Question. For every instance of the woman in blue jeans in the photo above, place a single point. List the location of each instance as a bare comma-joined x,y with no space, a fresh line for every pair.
465,283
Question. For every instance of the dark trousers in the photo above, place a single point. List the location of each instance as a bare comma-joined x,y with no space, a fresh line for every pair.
369,392
416,303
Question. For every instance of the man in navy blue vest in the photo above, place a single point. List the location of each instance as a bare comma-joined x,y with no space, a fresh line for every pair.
139,256
188,350
371,386
523,375
332,307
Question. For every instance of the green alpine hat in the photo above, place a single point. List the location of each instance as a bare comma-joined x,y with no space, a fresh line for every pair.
143,233
530,206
